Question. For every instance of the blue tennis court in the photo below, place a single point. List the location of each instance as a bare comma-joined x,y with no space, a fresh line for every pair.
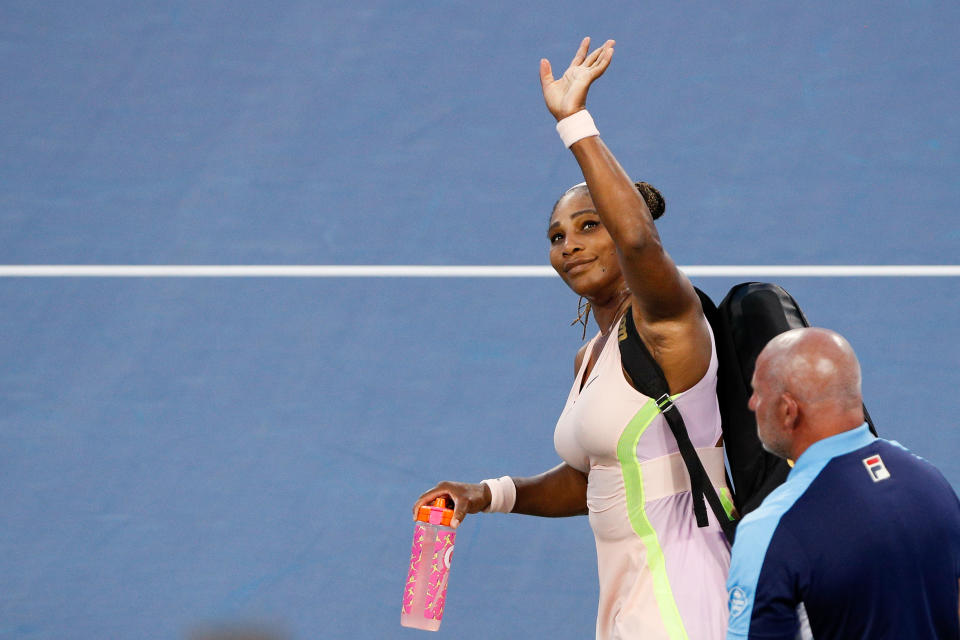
182,452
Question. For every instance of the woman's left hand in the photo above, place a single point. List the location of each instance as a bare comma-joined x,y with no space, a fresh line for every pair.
568,94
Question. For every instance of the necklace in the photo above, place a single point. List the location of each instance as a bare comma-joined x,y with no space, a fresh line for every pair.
622,306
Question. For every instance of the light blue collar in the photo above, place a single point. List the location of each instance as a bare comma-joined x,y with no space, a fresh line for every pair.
822,451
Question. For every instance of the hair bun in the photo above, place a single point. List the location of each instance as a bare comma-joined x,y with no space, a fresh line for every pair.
653,198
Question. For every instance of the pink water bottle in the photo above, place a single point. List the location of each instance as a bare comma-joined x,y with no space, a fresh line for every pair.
426,589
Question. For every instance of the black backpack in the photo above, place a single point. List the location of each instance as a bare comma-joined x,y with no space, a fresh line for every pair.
748,317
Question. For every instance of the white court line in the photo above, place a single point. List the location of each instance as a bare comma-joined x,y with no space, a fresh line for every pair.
447,271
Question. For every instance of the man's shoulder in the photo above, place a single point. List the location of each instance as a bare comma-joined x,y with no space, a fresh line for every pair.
756,529
770,510
884,459
780,501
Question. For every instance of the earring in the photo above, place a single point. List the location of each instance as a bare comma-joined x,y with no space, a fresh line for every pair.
583,315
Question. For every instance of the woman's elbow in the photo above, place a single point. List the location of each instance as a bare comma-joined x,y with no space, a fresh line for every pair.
634,243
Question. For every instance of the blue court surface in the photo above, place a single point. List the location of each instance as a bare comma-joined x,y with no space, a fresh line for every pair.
177,453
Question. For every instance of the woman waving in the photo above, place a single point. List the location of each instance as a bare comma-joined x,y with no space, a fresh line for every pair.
661,576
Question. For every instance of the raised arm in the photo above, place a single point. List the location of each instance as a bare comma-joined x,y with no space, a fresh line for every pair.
666,307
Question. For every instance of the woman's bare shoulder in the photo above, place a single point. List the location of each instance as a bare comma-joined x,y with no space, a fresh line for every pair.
578,359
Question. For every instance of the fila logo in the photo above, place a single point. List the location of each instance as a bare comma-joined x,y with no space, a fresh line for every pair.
878,471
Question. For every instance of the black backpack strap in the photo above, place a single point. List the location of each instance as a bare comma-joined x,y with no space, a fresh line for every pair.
644,371
648,378
866,417
702,488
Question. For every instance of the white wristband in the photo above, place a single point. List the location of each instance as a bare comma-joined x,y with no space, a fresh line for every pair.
503,495
576,127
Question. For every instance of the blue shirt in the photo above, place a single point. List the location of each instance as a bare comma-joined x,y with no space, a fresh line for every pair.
861,541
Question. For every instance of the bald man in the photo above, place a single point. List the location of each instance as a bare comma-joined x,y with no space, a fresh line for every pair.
863,539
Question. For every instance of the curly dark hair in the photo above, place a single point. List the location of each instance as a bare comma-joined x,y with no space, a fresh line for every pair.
651,195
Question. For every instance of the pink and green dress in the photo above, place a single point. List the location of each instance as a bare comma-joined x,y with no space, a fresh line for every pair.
661,576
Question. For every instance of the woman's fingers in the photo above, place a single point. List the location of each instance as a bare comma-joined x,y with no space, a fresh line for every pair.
546,73
597,59
429,496
462,494
604,61
581,52
567,94
459,511
593,57
597,56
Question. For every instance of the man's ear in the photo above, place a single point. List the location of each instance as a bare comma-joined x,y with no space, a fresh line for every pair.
788,411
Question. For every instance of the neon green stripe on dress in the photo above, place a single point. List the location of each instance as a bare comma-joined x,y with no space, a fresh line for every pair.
633,484
727,501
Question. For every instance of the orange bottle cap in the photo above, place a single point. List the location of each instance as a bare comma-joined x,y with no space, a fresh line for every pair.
436,513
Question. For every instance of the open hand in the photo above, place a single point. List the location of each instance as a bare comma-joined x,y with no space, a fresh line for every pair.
568,94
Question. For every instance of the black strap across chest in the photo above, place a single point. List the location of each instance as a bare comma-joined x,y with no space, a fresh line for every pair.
648,378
